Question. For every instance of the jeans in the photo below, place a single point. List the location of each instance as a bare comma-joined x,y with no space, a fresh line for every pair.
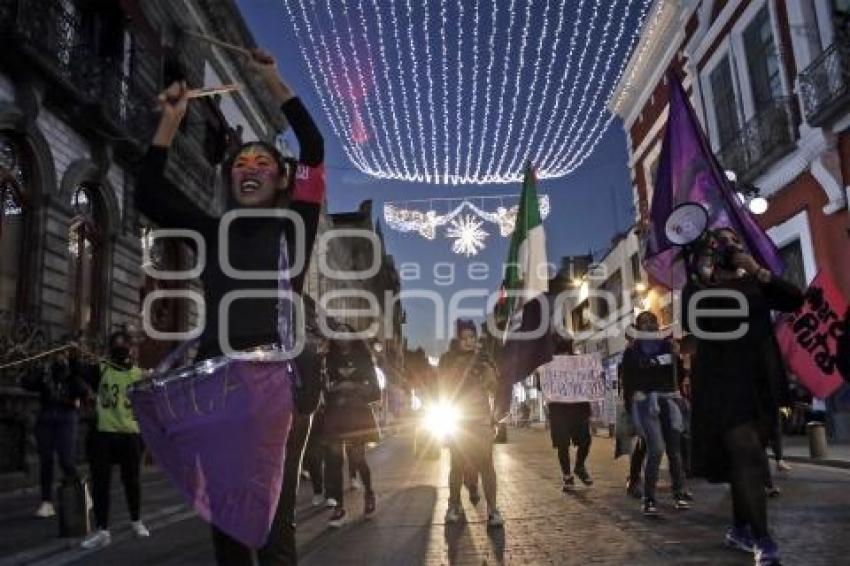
636,460
56,434
658,420
279,549
124,449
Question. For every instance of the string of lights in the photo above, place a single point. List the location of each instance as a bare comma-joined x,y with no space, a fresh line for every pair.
586,116
453,92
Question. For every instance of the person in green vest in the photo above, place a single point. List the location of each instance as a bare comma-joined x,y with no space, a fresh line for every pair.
116,438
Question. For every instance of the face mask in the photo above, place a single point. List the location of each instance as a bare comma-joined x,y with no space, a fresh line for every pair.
120,353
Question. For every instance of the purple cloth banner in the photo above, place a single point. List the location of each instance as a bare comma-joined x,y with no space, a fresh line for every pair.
219,432
689,172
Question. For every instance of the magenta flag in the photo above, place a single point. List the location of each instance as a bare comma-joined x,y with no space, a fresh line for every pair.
219,432
689,172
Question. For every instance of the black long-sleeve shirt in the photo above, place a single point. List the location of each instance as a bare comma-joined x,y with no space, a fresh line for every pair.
252,243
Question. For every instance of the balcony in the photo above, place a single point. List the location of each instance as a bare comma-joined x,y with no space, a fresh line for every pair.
825,84
766,137
51,35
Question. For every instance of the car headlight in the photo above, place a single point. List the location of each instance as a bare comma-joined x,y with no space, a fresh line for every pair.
441,420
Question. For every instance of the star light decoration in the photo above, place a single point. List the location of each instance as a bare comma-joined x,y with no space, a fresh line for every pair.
460,92
468,234
467,230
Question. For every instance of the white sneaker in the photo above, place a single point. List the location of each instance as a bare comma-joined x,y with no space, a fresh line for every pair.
97,539
318,500
356,484
454,514
45,510
782,466
139,529
330,503
494,519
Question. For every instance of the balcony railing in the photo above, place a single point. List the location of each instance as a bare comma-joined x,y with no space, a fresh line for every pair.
51,33
825,84
766,137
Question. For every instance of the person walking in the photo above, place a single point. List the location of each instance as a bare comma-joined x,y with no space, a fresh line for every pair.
465,381
736,378
650,384
60,392
349,423
115,440
570,425
256,177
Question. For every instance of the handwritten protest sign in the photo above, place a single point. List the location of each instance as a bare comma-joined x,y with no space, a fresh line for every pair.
573,379
815,339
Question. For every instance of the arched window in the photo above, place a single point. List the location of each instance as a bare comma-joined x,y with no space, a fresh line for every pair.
13,219
84,258
167,314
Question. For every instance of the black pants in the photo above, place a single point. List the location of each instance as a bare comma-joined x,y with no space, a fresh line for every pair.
279,549
776,440
334,467
314,460
124,449
56,435
747,461
581,438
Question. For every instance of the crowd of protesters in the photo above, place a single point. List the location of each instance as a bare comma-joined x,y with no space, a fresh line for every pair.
714,421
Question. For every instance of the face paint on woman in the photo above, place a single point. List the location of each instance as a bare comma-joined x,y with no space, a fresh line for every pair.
255,177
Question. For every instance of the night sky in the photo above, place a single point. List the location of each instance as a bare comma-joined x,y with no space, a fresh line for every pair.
588,207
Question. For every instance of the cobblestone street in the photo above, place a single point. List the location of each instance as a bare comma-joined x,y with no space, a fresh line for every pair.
543,526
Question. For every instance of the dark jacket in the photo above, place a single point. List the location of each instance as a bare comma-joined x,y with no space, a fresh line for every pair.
58,387
467,379
740,381
352,386
648,369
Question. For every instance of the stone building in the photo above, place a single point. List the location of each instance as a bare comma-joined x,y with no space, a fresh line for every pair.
78,84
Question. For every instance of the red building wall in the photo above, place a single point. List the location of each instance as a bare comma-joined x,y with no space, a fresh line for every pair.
830,237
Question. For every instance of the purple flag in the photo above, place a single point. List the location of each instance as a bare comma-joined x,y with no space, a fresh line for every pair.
219,432
689,172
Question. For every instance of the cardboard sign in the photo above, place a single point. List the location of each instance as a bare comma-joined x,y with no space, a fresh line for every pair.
573,379
815,339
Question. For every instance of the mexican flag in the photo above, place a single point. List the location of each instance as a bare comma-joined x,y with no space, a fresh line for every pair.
523,300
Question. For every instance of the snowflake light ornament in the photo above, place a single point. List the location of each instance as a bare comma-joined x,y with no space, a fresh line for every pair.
468,234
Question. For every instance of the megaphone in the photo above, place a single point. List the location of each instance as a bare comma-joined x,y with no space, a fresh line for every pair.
686,223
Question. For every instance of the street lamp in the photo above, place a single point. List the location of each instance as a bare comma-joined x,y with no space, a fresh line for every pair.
748,194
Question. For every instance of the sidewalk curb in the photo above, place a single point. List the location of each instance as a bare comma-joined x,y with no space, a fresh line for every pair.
821,462
63,545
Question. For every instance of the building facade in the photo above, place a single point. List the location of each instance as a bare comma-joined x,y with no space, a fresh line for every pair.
769,82
78,86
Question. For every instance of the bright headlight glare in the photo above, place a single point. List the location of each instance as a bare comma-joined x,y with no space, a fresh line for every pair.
441,420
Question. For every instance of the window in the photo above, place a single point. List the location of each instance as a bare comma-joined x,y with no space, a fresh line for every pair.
167,314
792,255
581,317
636,274
763,61
84,259
13,217
725,105
612,286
